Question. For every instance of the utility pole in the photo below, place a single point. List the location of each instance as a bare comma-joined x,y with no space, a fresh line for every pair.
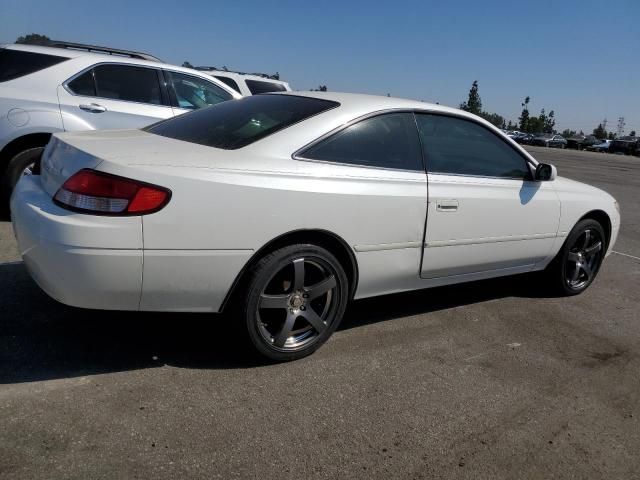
621,124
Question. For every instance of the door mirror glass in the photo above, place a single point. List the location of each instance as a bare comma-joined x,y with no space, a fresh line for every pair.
545,172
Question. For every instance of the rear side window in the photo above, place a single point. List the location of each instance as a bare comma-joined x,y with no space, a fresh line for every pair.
387,141
235,124
230,82
193,92
129,83
16,63
258,86
462,147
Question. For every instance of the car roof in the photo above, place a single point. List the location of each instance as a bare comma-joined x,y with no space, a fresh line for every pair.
241,76
366,102
96,57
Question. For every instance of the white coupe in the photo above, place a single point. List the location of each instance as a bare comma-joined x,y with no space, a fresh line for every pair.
283,207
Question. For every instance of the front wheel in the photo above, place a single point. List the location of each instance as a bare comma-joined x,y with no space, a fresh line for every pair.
578,262
294,301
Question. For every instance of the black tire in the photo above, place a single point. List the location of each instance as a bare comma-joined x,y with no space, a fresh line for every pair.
15,169
564,275
282,325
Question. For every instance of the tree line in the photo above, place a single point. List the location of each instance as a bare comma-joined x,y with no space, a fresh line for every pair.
542,123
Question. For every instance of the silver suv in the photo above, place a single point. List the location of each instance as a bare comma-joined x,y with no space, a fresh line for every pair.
69,86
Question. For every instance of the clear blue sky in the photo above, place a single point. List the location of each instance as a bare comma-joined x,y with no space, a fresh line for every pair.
580,58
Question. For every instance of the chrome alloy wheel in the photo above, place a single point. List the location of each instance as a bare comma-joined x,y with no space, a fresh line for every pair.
298,303
583,259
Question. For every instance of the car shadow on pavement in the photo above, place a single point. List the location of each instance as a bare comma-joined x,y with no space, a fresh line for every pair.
41,339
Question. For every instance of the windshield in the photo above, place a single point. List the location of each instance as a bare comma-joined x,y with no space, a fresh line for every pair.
237,123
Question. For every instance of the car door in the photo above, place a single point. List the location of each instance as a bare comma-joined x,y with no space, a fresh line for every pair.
188,92
383,189
485,213
112,95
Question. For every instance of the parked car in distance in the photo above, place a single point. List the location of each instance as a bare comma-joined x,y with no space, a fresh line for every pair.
69,87
550,140
626,145
580,142
281,208
603,146
524,138
247,83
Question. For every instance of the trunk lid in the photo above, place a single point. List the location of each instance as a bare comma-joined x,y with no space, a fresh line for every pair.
72,151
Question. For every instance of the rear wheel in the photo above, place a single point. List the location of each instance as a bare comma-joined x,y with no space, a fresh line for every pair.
294,301
578,263
21,164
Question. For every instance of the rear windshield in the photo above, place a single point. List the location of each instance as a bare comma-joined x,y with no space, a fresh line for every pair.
16,63
238,123
258,86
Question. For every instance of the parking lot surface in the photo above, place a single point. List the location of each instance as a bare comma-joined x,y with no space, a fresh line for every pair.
485,380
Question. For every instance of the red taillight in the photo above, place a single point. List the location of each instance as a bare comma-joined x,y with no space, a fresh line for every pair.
96,192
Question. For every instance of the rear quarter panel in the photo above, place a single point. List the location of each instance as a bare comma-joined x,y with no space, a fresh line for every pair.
196,246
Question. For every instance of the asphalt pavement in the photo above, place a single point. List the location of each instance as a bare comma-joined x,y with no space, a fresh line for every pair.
486,380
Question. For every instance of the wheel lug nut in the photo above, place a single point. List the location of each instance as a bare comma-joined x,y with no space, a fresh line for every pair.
302,307
305,295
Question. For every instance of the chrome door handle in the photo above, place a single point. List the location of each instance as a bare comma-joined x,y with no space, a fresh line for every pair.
446,205
93,108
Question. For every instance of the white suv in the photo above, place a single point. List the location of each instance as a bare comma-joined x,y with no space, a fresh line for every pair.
247,83
69,86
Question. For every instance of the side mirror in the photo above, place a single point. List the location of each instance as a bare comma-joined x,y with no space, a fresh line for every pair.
545,172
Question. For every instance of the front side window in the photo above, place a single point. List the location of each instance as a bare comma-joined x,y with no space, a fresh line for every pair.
233,125
386,141
193,92
17,63
258,86
462,147
129,83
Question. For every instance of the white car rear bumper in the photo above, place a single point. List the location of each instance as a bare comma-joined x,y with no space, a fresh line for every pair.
80,260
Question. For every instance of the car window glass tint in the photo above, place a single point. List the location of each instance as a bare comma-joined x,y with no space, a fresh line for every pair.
388,141
457,146
83,84
257,86
193,92
15,63
235,124
125,82
230,82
